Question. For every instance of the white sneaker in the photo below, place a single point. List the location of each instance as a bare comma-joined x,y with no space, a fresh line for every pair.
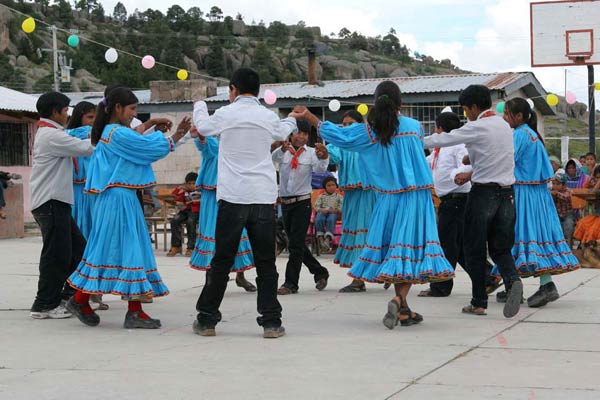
59,312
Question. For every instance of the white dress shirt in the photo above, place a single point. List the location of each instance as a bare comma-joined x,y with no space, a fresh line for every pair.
489,141
246,173
52,171
297,182
447,164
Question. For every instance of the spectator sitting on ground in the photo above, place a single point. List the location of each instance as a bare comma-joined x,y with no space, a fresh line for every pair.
328,207
188,201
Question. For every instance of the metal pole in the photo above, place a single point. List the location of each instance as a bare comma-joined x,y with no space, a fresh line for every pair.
591,109
55,58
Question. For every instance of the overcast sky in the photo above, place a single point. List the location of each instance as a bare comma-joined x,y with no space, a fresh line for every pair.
477,35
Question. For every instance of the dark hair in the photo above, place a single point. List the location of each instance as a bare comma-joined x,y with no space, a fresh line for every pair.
119,95
303,126
50,102
478,95
328,179
591,154
355,115
596,170
520,105
448,121
191,177
110,88
82,108
383,116
246,81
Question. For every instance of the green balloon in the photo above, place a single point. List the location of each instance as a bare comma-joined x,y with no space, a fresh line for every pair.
73,40
500,108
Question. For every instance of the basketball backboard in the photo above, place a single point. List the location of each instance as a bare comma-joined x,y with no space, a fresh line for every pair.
565,33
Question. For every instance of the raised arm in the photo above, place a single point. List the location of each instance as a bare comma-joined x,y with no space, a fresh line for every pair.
465,134
207,125
63,145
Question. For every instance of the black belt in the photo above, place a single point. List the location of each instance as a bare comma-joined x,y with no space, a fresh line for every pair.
454,196
294,199
492,185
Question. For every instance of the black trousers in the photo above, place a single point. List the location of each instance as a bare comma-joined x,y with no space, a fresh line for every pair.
296,218
489,221
259,221
190,219
451,217
61,253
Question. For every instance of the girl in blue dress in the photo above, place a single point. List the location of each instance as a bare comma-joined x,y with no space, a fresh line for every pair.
357,207
118,258
402,245
540,248
204,249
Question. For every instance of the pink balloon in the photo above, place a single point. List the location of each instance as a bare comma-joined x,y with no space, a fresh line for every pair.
148,62
571,98
270,97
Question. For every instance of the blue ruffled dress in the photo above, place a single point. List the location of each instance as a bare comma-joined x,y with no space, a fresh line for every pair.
83,203
402,244
209,208
356,209
118,258
540,246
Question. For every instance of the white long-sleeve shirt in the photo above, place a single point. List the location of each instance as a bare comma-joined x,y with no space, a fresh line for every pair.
489,141
297,182
52,171
447,164
246,173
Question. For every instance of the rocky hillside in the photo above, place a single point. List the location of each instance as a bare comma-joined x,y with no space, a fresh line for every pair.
207,42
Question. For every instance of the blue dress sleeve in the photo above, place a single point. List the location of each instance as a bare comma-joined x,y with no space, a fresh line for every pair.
210,147
355,137
139,149
335,154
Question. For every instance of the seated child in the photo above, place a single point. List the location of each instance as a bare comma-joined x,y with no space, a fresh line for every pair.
188,201
328,207
561,195
587,229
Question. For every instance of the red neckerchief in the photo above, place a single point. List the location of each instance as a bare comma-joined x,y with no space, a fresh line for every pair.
488,113
44,124
436,153
295,155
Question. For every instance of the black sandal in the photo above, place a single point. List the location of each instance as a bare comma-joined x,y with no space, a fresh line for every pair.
353,289
413,318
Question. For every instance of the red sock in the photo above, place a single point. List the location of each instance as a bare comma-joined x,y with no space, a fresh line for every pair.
137,306
83,299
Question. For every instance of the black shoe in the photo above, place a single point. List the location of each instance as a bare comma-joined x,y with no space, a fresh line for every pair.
133,321
203,330
273,332
501,297
89,319
513,300
545,294
321,283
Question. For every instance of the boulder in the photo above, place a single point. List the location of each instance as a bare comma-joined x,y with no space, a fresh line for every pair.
368,69
239,28
22,61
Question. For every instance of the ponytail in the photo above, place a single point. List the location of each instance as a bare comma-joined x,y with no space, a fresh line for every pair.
520,105
106,108
383,117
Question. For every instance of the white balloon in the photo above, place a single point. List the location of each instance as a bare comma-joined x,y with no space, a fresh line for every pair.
530,102
447,109
334,105
111,55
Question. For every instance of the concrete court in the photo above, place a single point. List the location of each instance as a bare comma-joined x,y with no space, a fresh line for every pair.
336,346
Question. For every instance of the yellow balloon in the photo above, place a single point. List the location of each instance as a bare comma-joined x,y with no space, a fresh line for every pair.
597,85
363,109
552,100
182,74
28,25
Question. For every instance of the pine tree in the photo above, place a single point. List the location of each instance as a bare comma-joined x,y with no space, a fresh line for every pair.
215,61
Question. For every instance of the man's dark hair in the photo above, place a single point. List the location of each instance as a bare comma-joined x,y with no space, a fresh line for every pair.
448,121
246,81
328,179
591,154
303,126
478,95
49,102
191,177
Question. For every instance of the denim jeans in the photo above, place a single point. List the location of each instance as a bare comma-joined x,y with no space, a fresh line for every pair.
489,223
63,246
296,218
190,219
567,224
325,222
451,217
259,221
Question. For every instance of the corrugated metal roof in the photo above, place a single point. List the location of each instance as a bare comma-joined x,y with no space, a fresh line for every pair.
12,100
365,87
95,97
